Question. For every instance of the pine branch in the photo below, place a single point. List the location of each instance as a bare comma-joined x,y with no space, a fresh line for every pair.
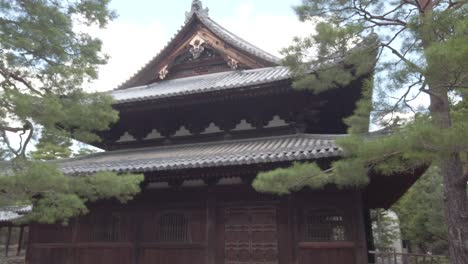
21,150
403,58
13,129
380,20
456,4
7,75
308,177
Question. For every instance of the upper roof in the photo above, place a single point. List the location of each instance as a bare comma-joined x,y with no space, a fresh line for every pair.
201,84
205,155
237,41
198,16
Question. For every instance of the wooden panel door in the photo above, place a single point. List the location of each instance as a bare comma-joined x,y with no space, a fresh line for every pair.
250,235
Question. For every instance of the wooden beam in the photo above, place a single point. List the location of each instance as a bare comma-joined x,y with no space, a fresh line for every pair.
138,226
361,239
7,244
211,246
20,240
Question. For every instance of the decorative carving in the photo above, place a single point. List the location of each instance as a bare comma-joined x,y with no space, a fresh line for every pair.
276,122
193,183
232,63
126,137
251,235
163,73
197,47
182,132
153,135
212,129
197,8
158,185
243,125
230,181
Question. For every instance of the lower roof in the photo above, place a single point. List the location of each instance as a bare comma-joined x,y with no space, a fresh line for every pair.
12,213
296,147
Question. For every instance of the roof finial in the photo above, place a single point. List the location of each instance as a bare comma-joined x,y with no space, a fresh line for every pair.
197,8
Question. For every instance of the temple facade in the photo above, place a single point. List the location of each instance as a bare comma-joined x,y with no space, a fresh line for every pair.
200,120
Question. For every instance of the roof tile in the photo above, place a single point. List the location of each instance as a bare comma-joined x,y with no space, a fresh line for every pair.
212,154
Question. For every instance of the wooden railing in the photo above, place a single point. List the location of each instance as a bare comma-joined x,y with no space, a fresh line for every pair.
386,257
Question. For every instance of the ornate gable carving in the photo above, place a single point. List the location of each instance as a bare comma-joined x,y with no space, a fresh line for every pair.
200,37
202,53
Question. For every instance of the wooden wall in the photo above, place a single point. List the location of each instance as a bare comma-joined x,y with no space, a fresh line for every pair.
223,224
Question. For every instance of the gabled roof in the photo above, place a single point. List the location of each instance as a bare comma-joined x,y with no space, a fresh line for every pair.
237,41
199,16
202,84
298,147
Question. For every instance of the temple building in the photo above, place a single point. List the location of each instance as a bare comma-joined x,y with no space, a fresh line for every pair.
200,120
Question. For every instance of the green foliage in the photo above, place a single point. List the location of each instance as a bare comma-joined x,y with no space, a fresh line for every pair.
57,197
385,228
52,146
421,50
421,214
44,61
285,180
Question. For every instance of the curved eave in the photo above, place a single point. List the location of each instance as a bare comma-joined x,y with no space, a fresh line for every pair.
235,41
216,154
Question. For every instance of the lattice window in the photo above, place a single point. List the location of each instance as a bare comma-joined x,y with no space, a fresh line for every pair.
324,225
106,228
173,227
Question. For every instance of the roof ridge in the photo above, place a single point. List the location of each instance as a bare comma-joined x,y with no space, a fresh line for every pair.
200,13
275,59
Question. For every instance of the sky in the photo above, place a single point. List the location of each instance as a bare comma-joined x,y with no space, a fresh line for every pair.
144,27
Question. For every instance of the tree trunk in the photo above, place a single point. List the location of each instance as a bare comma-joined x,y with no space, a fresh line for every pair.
455,193
451,166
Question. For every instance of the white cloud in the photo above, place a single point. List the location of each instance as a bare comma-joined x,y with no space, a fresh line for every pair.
268,32
130,47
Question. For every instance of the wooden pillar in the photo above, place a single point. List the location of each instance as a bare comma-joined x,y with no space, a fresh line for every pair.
7,244
211,246
369,235
74,248
361,241
138,234
20,240
285,231
294,227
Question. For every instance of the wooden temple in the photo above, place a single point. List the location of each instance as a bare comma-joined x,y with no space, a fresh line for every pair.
200,120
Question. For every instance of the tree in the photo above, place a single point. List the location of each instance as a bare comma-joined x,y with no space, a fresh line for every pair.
52,146
44,60
421,214
384,228
420,50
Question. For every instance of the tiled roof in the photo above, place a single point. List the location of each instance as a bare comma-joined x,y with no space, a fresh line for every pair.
13,213
204,155
202,84
237,41
223,33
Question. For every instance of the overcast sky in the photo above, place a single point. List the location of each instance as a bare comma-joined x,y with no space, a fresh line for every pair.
144,27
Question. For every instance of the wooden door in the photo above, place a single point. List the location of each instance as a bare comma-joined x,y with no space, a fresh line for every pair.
250,235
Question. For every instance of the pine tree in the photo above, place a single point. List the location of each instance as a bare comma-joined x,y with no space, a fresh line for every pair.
44,62
419,48
421,215
52,146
